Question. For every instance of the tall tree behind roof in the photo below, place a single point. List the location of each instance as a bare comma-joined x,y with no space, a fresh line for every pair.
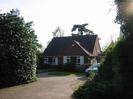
81,29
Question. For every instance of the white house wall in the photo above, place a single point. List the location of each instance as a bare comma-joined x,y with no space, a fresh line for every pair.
56,60
64,59
81,60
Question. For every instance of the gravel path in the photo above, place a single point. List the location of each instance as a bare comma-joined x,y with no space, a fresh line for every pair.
47,87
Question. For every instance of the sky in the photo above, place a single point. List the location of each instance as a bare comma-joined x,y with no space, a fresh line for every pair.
47,15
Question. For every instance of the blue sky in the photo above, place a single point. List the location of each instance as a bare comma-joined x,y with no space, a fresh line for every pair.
47,15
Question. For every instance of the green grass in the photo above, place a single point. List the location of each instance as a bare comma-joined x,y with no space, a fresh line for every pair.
62,73
41,71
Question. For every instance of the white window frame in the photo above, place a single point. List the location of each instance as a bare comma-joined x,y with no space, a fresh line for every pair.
54,60
81,60
46,60
78,60
64,59
68,59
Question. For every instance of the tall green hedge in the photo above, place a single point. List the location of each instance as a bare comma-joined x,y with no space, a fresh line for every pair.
106,68
18,46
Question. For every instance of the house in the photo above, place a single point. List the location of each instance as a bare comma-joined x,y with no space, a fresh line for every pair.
77,49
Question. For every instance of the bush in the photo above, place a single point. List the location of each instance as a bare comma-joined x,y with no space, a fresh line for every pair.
18,47
69,67
81,68
40,57
125,48
106,69
123,55
98,89
58,67
45,66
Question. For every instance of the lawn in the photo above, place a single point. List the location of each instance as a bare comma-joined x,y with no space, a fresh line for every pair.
62,73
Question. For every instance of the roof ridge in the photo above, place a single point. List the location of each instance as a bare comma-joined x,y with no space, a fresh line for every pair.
75,36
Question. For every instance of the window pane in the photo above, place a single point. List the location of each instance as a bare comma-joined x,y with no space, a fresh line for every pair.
78,60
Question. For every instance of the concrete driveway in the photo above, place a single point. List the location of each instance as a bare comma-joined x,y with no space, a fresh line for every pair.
47,87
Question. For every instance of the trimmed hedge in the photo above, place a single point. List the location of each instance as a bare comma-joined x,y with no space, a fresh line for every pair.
18,46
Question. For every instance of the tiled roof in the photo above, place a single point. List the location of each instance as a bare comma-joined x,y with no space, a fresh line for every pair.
57,46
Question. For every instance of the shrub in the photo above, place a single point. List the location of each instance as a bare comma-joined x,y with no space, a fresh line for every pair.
106,69
69,67
40,57
58,67
45,66
80,68
98,89
18,45
123,55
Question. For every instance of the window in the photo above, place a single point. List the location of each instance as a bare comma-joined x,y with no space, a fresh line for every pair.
78,60
73,59
46,60
68,59
51,60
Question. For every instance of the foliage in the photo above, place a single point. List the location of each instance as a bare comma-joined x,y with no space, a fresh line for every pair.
125,54
124,16
124,70
106,69
115,74
18,46
58,32
81,68
40,57
69,67
81,28
98,89
44,66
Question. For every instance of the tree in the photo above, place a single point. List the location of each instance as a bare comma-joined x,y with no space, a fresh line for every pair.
81,28
40,56
125,16
124,49
106,68
58,32
18,46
